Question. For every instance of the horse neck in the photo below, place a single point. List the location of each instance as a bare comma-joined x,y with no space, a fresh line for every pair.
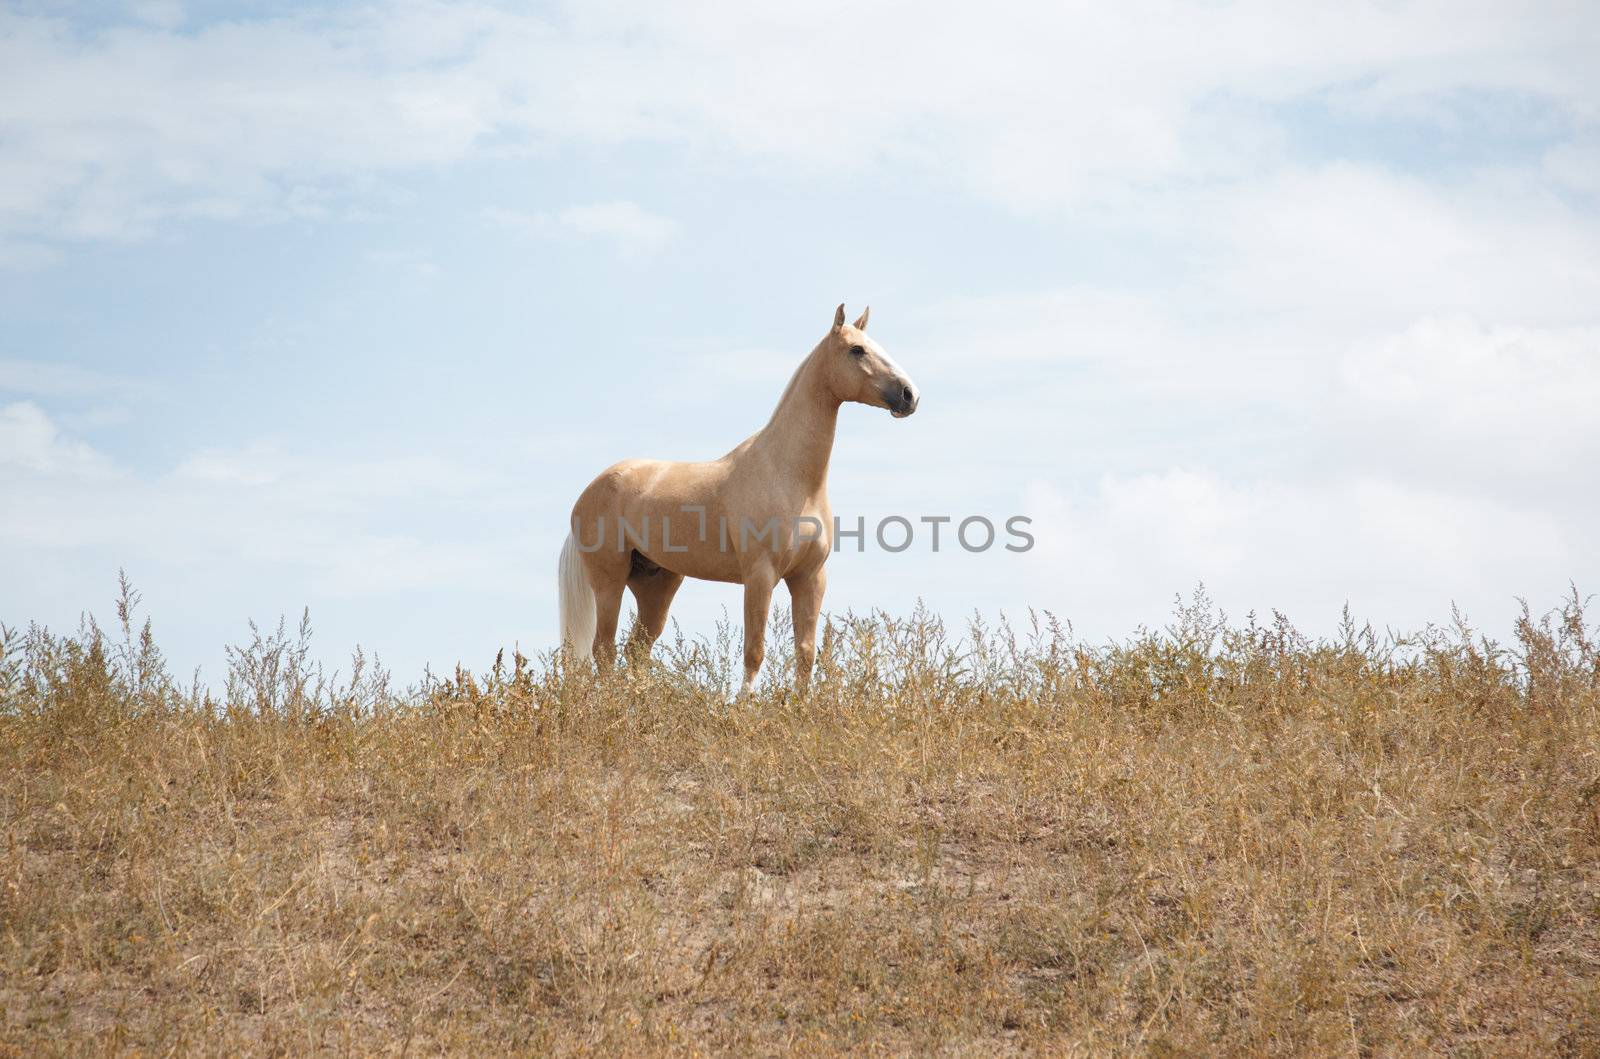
799,436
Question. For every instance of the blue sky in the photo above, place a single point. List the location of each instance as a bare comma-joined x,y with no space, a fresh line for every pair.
340,306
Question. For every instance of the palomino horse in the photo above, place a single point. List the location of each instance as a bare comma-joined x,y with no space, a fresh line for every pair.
757,516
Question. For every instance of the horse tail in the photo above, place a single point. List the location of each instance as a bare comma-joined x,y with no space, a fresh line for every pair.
577,603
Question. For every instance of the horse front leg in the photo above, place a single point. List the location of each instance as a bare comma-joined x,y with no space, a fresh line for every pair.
805,596
757,601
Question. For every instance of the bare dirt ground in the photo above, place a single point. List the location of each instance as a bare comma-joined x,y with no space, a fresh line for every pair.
1210,840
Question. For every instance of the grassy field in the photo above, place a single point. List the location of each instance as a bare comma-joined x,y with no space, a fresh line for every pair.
1212,839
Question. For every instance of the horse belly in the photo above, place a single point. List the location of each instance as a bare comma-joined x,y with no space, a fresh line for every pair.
705,565
678,542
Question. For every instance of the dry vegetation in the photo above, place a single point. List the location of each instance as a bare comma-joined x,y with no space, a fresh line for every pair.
1212,839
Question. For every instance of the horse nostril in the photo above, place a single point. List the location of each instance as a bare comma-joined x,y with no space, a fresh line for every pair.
906,394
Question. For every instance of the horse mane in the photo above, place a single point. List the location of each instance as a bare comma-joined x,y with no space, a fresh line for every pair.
783,399
794,381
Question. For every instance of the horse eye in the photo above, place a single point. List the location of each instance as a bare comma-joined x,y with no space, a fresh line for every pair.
858,351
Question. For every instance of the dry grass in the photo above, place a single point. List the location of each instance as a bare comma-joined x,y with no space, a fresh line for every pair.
1210,840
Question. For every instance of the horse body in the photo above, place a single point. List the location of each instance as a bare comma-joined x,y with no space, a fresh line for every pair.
756,516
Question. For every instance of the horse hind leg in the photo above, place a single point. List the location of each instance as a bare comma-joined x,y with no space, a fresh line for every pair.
653,589
608,575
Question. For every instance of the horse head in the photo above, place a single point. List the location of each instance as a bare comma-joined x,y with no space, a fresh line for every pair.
858,369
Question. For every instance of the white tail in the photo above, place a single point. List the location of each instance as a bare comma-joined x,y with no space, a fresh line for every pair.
577,603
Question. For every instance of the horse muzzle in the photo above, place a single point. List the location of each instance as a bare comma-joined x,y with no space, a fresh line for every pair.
900,398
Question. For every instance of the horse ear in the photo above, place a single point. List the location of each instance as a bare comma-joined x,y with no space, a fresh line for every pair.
861,324
838,317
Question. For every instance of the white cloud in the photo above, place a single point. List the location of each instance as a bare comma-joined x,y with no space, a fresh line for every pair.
356,525
1118,552
622,222
1285,297
631,229
1519,398
31,442
1092,324
43,378
258,464
111,133
1349,247
1574,167
416,263
1400,469
380,548
164,13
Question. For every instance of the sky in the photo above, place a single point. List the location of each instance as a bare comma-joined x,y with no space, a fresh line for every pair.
340,306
